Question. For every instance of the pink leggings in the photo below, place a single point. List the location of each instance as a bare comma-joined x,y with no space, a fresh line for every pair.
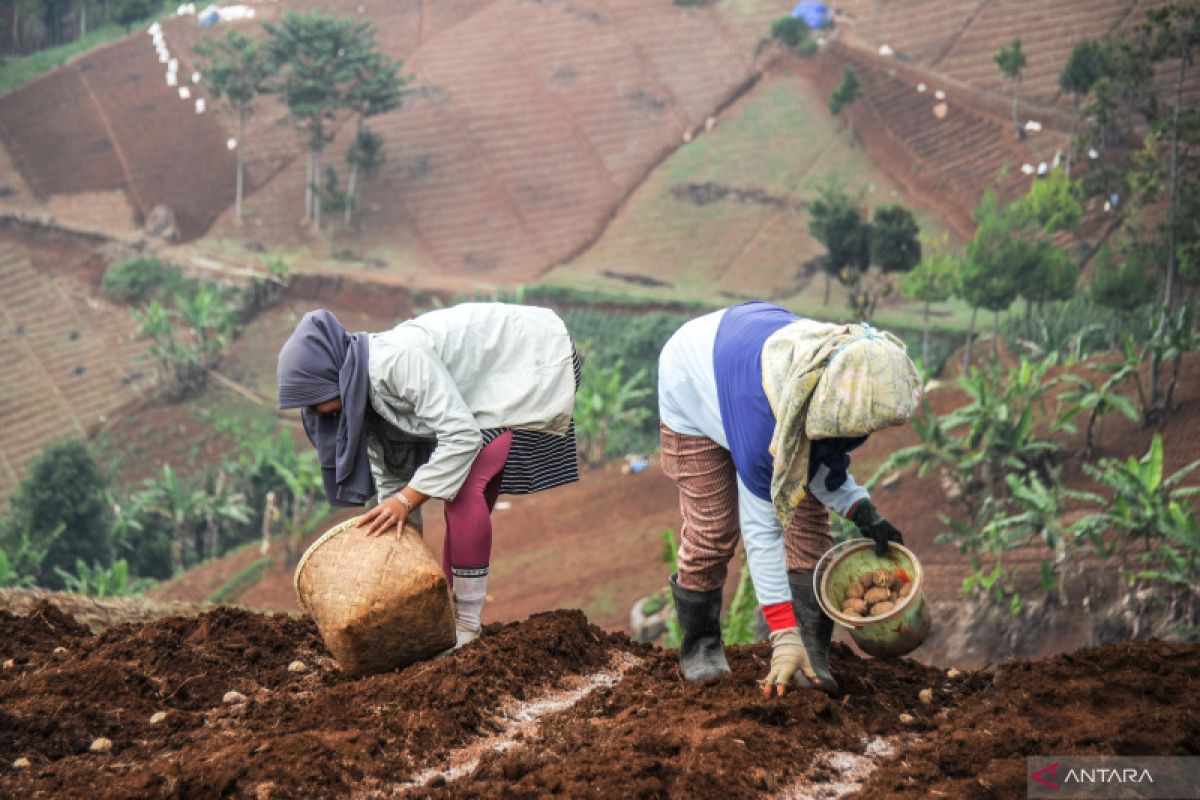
468,542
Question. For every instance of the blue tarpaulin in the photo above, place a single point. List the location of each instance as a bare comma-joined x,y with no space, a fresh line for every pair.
815,15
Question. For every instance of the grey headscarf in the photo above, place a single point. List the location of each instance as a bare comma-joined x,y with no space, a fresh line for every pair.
319,362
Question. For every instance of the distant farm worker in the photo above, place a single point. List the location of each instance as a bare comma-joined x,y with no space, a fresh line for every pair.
760,410
460,404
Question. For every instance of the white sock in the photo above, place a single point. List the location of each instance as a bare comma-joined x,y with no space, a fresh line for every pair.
470,591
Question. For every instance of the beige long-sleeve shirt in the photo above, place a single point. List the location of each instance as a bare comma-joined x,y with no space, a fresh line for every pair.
452,372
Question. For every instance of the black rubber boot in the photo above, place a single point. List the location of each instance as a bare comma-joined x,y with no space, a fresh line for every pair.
701,653
816,630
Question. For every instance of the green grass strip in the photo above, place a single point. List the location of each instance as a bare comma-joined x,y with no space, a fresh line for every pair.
15,72
241,581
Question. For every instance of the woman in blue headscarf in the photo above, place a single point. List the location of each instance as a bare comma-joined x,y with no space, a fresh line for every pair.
461,404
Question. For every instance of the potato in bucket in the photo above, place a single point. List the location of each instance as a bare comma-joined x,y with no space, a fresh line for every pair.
879,599
379,602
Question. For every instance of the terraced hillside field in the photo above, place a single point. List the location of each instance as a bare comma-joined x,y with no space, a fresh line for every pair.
959,38
952,159
530,121
724,217
109,122
71,360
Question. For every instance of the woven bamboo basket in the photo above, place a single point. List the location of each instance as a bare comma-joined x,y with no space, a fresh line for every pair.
380,602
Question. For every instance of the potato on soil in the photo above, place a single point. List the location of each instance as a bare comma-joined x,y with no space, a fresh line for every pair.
882,608
855,591
855,606
876,595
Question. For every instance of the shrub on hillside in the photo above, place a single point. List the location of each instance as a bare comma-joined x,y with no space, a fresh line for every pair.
62,505
128,13
141,279
793,33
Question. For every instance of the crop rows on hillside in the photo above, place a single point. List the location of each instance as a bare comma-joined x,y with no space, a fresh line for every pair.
70,361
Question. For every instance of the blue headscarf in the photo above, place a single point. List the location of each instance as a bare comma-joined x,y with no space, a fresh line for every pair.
319,362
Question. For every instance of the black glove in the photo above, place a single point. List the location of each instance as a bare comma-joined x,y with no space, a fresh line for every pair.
873,526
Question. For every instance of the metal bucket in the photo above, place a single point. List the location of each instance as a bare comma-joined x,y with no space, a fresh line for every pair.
890,635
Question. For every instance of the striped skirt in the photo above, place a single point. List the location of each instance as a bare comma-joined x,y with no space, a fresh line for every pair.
536,460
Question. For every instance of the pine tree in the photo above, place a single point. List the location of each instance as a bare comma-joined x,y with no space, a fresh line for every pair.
932,281
1011,61
1086,65
845,95
377,88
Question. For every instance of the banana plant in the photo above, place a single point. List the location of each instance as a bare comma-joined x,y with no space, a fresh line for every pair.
1098,401
100,581
1174,335
9,576
1000,422
22,554
186,509
207,312
937,449
989,437
1145,508
607,401
1038,519
304,482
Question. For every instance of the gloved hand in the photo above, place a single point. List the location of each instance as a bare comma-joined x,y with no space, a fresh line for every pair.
787,656
872,525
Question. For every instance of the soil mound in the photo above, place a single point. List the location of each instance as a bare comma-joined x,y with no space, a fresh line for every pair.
1129,699
41,630
598,716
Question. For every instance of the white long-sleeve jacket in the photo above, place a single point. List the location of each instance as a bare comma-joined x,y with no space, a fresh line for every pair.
452,372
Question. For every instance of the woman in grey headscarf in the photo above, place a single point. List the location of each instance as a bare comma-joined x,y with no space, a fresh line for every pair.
459,404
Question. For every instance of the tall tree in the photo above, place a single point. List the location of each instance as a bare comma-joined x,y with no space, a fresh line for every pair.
364,156
130,12
1170,36
989,279
237,69
1011,61
837,221
326,65
1121,282
1041,272
377,88
1051,205
895,239
932,281
52,12
315,56
1086,65
846,94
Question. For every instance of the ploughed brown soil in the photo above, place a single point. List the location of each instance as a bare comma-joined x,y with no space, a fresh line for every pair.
641,733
